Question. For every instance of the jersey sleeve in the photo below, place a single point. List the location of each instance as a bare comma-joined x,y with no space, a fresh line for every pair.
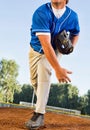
75,26
40,22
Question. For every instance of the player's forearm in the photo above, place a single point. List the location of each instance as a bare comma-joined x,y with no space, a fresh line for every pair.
51,56
74,40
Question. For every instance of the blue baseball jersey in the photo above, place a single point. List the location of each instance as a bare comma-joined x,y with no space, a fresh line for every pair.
45,21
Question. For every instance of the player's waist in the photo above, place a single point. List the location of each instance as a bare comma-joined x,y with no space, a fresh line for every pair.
37,48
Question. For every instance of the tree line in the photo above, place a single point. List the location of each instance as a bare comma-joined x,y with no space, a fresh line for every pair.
61,95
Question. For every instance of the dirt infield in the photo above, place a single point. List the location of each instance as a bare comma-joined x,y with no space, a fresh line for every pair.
15,118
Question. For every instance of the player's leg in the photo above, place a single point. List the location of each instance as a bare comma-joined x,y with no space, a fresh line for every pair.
42,93
44,76
34,58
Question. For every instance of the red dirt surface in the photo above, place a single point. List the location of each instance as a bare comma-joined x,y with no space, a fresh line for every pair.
15,118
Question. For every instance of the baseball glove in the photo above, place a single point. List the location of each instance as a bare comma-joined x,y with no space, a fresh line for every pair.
63,43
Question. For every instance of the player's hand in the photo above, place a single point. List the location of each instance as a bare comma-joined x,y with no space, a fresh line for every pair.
62,75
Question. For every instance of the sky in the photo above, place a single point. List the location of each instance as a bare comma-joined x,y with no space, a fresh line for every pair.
15,23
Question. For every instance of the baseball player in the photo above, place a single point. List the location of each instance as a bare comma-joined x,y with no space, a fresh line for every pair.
48,21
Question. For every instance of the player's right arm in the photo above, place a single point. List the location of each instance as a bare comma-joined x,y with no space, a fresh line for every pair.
61,73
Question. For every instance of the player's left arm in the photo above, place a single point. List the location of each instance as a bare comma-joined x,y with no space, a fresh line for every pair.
74,39
75,31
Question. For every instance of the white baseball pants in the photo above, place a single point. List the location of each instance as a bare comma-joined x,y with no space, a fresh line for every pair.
40,75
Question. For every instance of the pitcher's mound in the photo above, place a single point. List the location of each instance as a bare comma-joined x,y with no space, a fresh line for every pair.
15,118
